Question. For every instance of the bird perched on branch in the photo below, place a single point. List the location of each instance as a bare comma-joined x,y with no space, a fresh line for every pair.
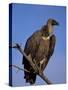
40,45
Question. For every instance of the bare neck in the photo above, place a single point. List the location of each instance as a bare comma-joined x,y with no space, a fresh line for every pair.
50,28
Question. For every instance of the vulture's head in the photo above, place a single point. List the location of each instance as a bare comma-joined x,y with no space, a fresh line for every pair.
52,22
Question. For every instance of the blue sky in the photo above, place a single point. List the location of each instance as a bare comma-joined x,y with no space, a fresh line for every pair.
26,19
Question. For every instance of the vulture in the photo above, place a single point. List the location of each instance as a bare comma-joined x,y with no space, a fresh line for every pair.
40,45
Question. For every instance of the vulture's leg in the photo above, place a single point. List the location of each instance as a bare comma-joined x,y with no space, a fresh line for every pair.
41,65
36,66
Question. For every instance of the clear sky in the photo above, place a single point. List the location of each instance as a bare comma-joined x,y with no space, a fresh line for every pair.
26,19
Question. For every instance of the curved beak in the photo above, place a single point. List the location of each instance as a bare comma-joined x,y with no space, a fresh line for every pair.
54,22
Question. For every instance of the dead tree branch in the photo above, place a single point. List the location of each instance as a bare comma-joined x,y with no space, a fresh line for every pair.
19,68
35,67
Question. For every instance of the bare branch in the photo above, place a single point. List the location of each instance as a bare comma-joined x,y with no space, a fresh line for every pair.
19,68
35,67
45,78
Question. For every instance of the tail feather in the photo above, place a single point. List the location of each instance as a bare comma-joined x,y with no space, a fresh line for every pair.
32,78
29,77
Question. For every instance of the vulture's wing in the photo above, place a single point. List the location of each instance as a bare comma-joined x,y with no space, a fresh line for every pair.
30,48
52,45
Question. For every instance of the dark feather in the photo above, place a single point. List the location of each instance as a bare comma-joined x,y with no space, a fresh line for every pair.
52,45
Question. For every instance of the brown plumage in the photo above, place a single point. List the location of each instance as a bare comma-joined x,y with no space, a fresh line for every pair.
41,47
